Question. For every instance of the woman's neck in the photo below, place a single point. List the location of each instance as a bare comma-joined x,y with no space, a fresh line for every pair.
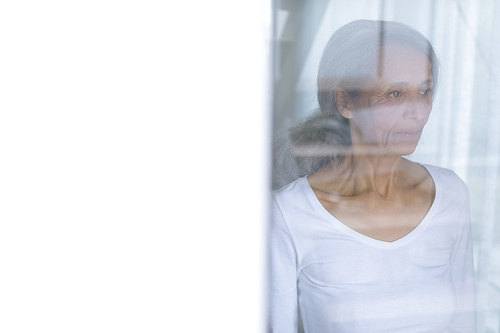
371,172
361,173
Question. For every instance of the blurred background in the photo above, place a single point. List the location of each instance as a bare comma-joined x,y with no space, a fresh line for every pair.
463,132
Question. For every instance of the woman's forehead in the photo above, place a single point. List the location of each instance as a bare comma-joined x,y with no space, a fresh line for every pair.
402,63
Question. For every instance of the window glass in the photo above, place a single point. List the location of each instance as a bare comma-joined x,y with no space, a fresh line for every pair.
463,131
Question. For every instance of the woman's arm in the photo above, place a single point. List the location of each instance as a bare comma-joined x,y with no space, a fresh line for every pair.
283,276
462,271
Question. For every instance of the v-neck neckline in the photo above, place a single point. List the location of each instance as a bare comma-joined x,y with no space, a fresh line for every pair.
370,240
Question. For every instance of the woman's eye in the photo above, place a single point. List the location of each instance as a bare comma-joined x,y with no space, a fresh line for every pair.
395,94
425,92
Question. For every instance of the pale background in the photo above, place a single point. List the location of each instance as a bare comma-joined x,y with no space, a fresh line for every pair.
134,143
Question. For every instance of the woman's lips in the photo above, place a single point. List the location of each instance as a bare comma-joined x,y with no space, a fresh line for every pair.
410,134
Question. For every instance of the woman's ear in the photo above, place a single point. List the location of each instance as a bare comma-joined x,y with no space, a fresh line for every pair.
344,103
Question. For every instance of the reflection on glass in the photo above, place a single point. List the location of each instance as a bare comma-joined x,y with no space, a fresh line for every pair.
463,130
363,239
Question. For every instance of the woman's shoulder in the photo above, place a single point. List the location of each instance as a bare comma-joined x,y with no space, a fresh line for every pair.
296,200
451,187
293,190
444,175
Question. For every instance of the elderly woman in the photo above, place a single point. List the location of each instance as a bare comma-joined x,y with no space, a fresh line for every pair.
365,240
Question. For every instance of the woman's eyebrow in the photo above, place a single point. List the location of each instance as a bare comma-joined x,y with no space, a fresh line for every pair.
404,83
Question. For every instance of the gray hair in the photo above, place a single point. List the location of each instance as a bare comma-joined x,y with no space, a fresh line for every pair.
351,58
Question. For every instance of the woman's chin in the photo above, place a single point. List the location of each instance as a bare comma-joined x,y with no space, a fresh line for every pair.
406,144
404,148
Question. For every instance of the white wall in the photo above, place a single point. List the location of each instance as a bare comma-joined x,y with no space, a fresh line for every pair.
134,165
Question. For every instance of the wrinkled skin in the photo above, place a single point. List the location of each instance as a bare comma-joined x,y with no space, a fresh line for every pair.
374,190
389,116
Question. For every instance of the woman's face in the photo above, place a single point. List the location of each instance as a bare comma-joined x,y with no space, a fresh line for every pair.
391,112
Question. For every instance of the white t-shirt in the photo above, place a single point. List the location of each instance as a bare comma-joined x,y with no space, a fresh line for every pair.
346,282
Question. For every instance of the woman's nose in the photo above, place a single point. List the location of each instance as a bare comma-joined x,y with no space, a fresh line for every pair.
417,109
